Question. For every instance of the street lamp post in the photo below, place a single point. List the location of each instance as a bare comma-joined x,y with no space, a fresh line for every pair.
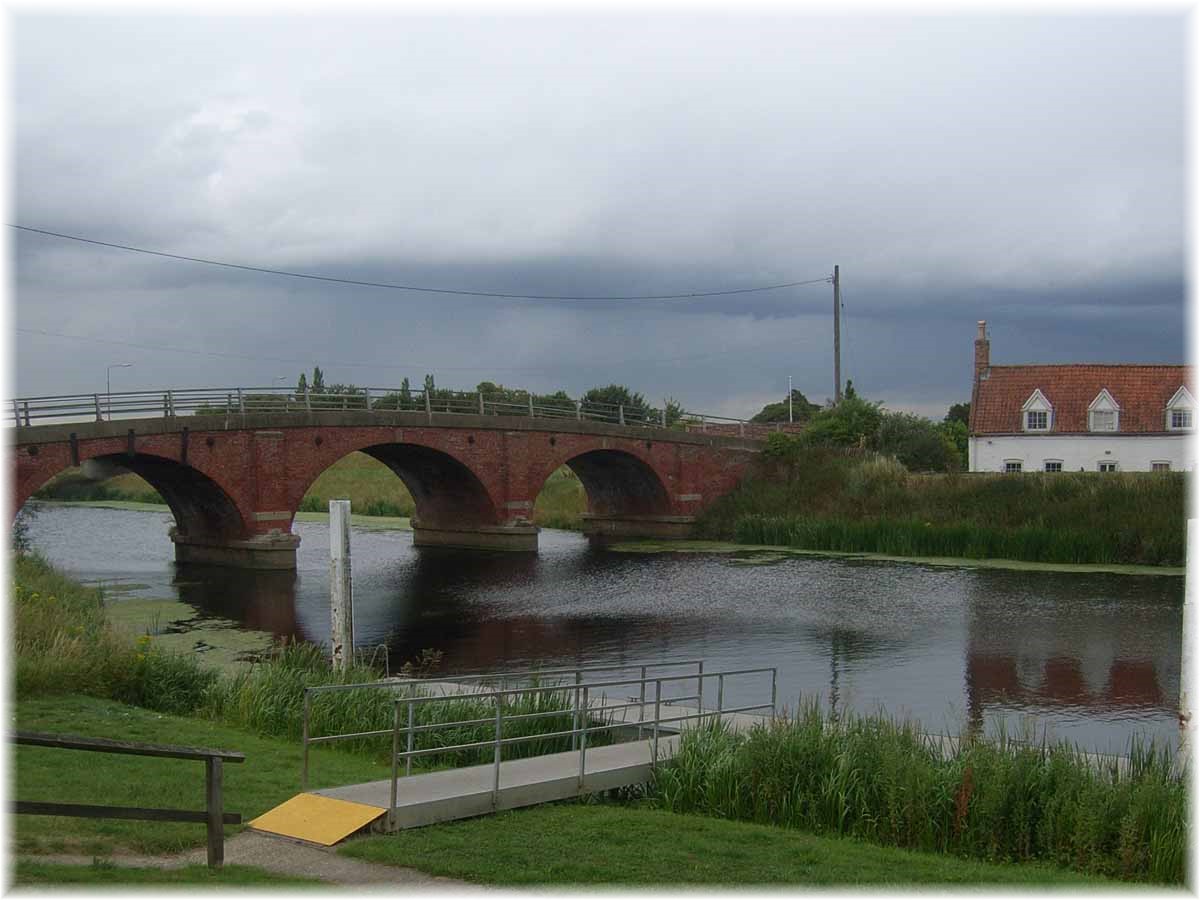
108,385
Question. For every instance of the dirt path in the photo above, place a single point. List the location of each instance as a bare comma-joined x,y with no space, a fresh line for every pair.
274,854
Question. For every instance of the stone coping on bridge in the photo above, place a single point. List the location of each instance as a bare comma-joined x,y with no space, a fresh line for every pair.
52,433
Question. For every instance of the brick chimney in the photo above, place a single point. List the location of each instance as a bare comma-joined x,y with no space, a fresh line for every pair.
982,350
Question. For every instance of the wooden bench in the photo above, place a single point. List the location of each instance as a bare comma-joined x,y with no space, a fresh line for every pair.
212,815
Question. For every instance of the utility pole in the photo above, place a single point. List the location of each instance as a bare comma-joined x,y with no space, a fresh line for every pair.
837,337
789,399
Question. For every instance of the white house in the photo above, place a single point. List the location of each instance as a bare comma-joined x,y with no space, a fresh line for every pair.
1079,417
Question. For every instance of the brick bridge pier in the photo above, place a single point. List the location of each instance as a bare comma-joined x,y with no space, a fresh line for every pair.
235,481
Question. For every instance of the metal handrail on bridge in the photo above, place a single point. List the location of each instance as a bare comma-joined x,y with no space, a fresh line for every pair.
229,402
582,711
394,684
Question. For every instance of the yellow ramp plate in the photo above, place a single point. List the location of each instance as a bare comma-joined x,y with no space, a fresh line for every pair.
321,820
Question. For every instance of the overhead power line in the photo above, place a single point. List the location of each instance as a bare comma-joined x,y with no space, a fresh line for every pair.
691,295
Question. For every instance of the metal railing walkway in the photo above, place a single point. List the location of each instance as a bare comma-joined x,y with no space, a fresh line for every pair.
642,715
230,402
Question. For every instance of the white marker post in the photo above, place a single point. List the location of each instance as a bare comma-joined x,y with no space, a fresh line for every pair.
341,590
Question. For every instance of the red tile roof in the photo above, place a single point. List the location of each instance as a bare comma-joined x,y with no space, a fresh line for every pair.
1142,392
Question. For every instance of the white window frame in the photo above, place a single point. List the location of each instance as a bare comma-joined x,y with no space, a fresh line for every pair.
1181,404
1116,466
1165,463
1046,463
1019,463
1037,403
1104,403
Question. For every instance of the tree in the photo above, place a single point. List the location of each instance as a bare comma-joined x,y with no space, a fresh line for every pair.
917,443
802,410
616,395
955,432
852,423
959,412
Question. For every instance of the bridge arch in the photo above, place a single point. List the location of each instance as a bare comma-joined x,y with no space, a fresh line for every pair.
618,483
444,488
202,509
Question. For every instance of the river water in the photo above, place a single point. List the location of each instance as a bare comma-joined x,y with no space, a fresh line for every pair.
1090,658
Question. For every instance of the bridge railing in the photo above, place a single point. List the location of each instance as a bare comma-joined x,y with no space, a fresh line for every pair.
646,703
227,402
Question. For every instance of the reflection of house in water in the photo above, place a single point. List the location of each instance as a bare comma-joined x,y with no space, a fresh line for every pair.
1100,656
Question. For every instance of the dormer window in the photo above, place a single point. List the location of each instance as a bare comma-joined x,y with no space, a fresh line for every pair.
1104,413
1179,411
1036,413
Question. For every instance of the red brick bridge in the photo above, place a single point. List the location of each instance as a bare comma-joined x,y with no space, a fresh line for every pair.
234,479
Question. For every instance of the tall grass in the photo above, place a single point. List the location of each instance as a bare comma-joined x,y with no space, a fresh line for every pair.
823,499
269,698
64,643
880,780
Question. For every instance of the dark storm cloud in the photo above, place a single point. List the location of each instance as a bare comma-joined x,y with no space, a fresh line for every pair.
1027,171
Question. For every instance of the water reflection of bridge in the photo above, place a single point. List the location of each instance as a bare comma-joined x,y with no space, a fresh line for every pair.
1086,653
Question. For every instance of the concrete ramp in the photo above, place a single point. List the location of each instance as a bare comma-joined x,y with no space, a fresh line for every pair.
317,819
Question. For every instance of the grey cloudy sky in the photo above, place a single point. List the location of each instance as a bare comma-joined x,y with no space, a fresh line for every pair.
1027,171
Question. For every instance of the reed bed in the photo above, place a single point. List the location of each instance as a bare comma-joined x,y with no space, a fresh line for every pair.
269,698
880,780
823,499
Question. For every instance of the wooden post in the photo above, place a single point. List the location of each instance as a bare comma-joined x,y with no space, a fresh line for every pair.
26,412
341,593
621,414
241,402
99,417
481,412
579,410
428,407
531,406
212,806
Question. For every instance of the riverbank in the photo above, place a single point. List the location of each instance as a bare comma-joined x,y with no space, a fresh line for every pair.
62,634
822,499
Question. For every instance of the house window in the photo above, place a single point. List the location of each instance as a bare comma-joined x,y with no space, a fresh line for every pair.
1012,465
1181,418
1053,465
1104,420
1160,467
1107,466
1037,420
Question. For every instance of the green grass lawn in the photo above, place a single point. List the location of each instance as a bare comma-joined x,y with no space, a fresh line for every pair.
602,844
269,776
31,872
